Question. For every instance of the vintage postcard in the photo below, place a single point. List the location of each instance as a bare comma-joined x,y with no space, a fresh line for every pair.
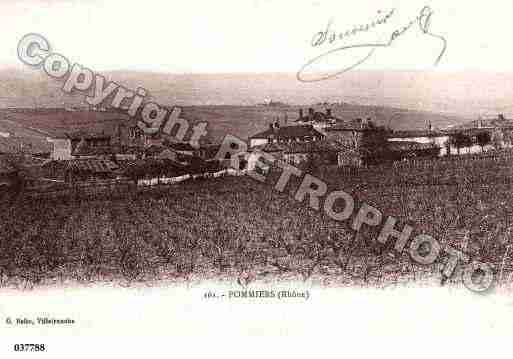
256,178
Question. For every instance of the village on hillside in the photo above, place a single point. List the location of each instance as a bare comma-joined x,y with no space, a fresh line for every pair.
37,161
88,196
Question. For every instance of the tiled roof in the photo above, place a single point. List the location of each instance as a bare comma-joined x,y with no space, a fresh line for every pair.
316,146
85,150
151,162
95,166
88,135
289,132
301,147
160,165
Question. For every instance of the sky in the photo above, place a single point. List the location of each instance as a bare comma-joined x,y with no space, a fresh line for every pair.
257,35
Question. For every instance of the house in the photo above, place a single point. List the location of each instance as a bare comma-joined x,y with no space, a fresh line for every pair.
296,153
439,139
499,128
312,117
348,134
91,140
499,121
84,151
82,170
340,144
292,144
82,144
89,145
61,149
286,134
184,155
456,140
79,170
466,138
319,120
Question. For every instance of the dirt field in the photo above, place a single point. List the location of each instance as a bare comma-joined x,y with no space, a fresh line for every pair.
237,228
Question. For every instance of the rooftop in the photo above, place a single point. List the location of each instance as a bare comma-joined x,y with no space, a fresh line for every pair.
300,147
91,165
87,135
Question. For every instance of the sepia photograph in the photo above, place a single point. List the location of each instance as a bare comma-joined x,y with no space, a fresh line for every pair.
309,178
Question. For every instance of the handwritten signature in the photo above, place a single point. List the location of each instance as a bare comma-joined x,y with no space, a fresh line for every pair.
423,19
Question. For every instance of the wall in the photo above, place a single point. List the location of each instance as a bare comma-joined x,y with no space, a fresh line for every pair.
257,141
441,141
61,149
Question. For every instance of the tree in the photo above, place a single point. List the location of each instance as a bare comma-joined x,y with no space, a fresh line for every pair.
466,141
483,138
21,173
497,139
135,171
454,141
448,147
460,140
374,146
311,165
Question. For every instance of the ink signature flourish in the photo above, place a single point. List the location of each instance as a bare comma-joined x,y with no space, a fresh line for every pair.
423,19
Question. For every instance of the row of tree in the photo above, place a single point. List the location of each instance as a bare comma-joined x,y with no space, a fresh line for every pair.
460,140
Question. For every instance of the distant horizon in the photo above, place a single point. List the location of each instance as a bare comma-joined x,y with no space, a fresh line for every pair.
449,93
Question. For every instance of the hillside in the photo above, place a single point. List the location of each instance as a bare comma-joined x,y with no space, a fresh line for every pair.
241,121
230,103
